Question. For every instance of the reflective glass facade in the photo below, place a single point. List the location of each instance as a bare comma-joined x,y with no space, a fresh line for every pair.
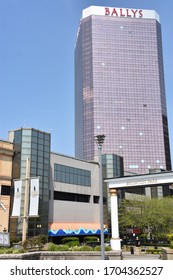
34,144
119,87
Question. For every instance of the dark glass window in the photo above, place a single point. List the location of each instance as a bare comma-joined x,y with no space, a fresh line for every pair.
71,175
96,199
5,190
71,197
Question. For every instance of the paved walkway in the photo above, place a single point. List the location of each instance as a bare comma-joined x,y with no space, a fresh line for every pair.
129,256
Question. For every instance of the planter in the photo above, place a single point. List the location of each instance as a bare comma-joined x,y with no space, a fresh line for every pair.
167,253
112,255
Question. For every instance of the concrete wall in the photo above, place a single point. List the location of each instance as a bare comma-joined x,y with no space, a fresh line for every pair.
4,215
71,211
62,256
6,154
167,254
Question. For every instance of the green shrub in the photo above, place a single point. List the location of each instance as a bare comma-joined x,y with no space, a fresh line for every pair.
170,237
2,250
19,251
76,248
38,240
171,245
9,250
153,251
54,247
160,236
12,251
42,239
85,248
108,248
63,248
35,241
71,241
97,248
15,251
89,239
22,250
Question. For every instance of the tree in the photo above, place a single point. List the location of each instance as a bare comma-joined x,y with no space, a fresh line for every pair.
155,215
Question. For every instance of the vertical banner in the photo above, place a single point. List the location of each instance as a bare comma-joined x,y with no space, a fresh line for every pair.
34,197
17,198
4,239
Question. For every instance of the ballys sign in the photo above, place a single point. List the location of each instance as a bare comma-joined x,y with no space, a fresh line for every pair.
119,12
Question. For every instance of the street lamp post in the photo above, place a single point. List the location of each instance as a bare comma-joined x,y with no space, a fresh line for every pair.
100,140
26,200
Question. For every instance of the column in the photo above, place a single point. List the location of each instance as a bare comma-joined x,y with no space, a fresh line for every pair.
115,240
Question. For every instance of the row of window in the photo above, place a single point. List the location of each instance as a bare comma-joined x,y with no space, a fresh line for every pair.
71,175
65,196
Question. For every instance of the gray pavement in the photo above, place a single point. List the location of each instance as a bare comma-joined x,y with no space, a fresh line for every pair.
129,256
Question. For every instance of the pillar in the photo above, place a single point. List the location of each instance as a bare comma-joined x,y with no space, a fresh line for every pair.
115,240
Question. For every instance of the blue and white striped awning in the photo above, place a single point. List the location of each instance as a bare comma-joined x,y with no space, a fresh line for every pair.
71,229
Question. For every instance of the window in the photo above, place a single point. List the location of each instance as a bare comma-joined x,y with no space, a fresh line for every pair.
5,190
96,199
71,197
71,175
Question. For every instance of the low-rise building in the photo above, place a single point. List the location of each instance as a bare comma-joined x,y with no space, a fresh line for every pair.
74,197
6,155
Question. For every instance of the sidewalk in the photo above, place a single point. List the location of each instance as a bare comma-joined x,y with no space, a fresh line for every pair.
129,256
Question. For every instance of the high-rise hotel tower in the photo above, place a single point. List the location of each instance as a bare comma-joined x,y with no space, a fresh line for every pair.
119,87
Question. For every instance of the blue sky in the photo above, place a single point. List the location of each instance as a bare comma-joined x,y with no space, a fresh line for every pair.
37,41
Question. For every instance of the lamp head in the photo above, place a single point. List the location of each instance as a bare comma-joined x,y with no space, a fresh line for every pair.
100,139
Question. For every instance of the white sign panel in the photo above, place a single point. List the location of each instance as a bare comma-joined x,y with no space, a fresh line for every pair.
34,197
141,181
4,239
17,198
120,12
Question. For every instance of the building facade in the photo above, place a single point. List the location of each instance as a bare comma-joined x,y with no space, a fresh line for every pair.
35,145
119,88
68,188
74,197
6,156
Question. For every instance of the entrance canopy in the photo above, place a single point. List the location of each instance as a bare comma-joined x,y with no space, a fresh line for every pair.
135,181
153,179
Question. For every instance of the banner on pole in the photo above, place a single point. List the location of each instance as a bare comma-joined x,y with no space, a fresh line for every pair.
34,197
17,198
4,239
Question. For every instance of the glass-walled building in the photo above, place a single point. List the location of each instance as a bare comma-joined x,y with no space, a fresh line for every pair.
119,88
35,145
